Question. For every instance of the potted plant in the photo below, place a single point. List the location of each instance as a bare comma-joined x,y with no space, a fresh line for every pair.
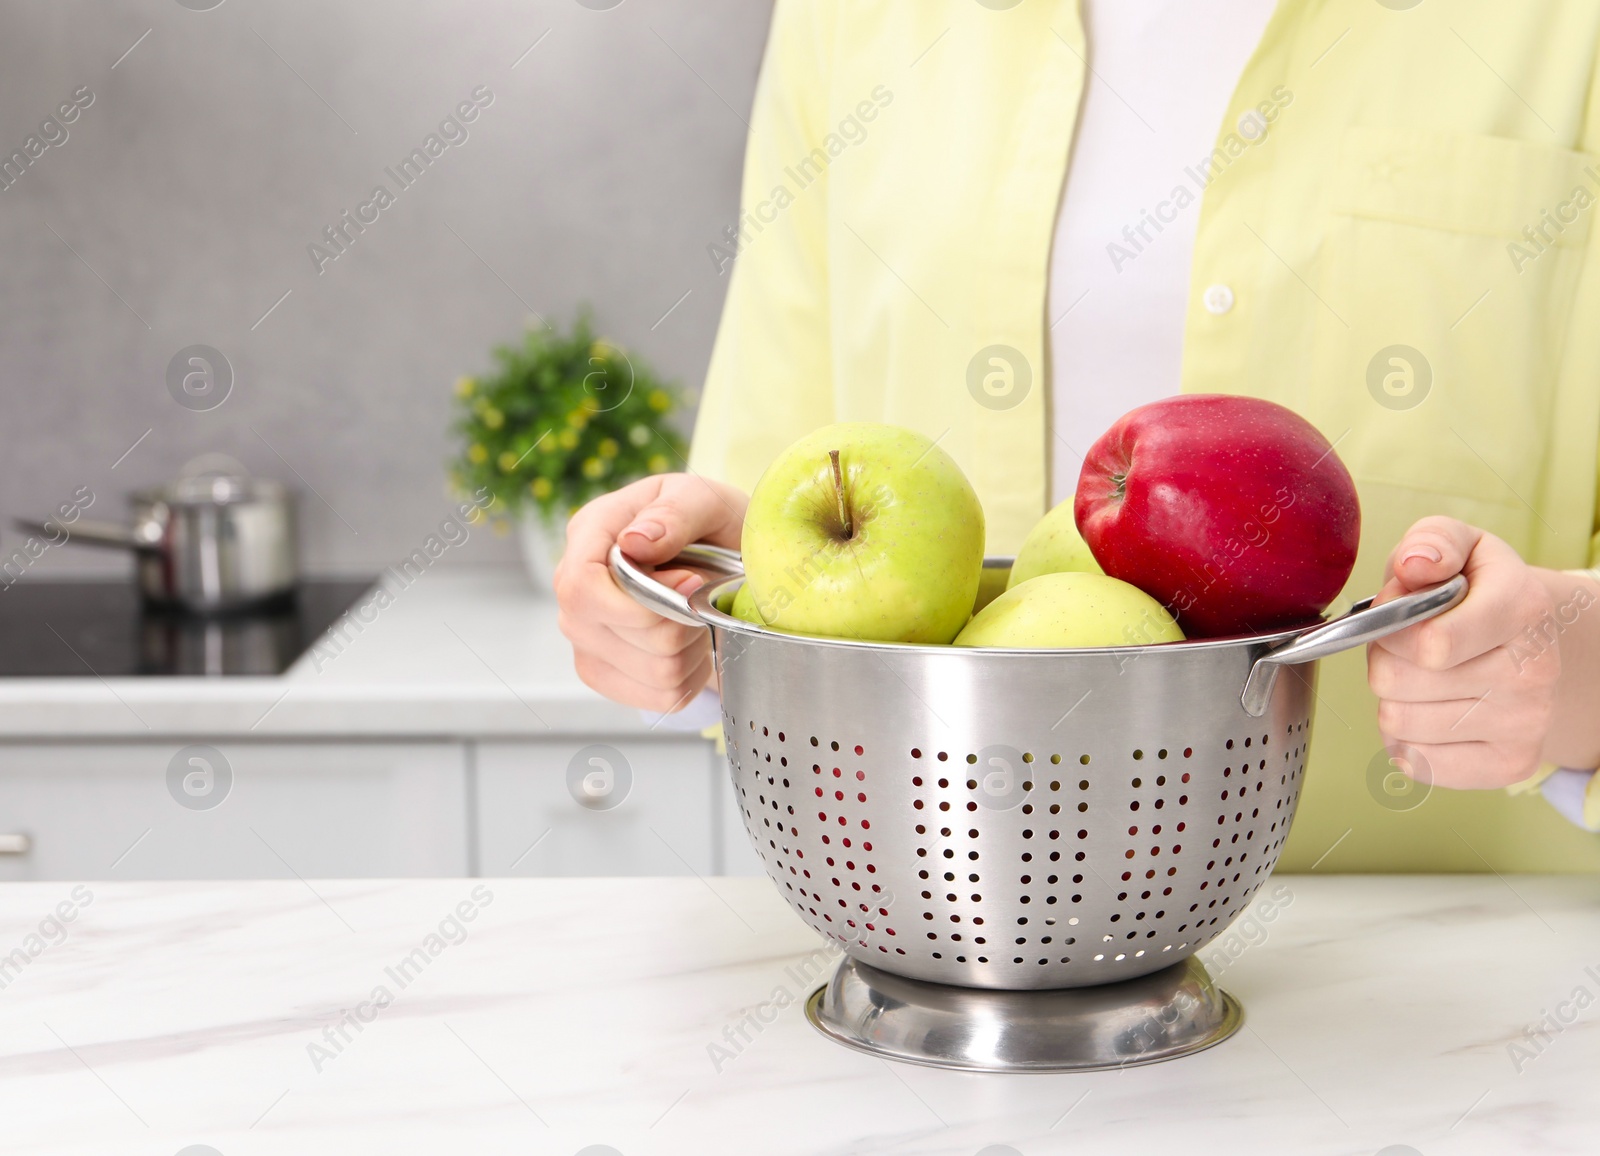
563,418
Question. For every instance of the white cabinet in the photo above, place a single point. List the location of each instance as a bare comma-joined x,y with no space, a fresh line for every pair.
234,810
264,809
647,807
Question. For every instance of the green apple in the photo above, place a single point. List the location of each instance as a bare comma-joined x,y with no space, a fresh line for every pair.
864,531
1071,609
744,605
1052,546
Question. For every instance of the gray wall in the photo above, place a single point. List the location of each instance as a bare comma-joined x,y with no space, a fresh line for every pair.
180,207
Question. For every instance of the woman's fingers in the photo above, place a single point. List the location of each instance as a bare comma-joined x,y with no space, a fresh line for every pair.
1432,550
1461,694
619,686
622,649
663,636
1393,677
662,671
686,509
1502,593
589,593
1447,721
654,518
1473,766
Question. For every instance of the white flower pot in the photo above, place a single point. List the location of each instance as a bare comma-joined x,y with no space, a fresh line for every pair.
542,546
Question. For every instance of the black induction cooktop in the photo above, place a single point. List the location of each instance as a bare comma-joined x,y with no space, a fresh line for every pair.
102,629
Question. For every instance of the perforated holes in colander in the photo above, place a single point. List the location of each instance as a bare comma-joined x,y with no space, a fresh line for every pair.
856,907
1166,829
1147,833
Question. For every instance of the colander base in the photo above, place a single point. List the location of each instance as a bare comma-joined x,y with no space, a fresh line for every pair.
1170,1013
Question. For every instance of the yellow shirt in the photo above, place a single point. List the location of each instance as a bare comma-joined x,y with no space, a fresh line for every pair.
1400,202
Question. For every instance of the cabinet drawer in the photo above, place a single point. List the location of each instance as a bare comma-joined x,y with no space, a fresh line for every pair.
598,807
233,810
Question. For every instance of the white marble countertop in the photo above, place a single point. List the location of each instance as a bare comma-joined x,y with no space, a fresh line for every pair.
472,652
1383,1014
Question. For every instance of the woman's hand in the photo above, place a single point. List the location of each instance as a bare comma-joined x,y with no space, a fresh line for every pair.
622,650
1476,697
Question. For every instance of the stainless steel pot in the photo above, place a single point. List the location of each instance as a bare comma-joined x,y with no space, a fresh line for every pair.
207,543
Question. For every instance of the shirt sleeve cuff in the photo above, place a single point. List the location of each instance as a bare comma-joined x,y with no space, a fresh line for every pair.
1576,795
704,711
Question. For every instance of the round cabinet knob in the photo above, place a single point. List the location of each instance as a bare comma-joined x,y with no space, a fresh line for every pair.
1218,299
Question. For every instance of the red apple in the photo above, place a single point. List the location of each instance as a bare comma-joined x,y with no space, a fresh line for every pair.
1233,512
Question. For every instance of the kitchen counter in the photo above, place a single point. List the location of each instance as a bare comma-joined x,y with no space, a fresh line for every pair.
1382,1014
463,652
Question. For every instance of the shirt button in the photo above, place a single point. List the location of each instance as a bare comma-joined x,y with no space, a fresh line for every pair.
1218,299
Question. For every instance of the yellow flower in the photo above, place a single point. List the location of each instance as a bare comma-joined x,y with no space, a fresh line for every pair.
465,386
541,488
639,435
609,447
493,418
508,462
599,350
659,464
568,439
475,515
593,468
658,400
477,453
578,418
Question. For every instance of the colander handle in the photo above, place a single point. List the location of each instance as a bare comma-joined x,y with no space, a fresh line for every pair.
1363,624
664,600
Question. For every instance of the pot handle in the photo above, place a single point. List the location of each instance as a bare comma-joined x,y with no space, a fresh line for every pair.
663,599
1363,624
90,533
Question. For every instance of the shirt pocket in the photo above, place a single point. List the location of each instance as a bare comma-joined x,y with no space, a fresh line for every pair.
1449,264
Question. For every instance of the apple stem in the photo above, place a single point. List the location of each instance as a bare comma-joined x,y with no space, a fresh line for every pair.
838,493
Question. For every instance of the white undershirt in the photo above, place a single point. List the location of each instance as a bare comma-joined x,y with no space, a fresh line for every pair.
1162,75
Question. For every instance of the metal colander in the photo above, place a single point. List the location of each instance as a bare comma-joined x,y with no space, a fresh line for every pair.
1017,819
